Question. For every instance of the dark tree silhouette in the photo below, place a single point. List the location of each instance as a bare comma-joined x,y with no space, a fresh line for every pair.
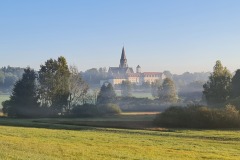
106,94
24,99
218,87
236,85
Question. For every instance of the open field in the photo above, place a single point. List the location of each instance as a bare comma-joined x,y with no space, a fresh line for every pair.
137,94
68,138
3,98
97,143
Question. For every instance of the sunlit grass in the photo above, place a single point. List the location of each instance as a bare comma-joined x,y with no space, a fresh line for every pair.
97,143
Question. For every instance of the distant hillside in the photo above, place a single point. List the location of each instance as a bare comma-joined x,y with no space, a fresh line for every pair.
8,77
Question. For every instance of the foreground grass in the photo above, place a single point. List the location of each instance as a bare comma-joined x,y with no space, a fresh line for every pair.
77,138
99,143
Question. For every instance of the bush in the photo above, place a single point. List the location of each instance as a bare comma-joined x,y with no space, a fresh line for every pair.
235,102
109,108
85,110
199,117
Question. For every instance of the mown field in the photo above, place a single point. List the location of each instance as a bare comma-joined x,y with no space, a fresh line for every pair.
71,139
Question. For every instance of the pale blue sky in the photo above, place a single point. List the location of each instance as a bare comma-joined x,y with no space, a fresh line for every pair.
175,35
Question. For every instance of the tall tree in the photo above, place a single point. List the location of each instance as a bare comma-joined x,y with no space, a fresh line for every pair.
24,99
236,85
106,94
218,87
126,89
167,92
54,84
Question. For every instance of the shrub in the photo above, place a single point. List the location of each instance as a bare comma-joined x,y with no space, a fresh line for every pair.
85,110
235,102
109,108
199,117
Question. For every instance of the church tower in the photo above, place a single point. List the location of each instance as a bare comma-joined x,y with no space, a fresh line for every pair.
123,60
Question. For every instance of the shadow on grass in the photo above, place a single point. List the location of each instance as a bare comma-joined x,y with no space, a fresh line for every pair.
4,121
127,127
139,122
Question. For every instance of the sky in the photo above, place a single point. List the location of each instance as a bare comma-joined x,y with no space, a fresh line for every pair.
158,35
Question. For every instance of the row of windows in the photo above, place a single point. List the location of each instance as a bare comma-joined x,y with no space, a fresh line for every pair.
152,76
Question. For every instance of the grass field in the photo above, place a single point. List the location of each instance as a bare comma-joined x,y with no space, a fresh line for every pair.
3,98
75,139
137,94
94,143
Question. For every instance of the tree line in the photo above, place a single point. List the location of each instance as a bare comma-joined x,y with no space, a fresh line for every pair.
222,95
54,89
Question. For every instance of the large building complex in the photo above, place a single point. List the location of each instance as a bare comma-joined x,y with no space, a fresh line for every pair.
124,73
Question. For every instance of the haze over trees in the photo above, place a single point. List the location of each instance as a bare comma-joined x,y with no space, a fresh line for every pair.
167,92
58,89
126,89
93,76
8,77
51,91
222,95
78,88
155,88
106,94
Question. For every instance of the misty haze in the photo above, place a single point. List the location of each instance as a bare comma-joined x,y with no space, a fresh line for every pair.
119,79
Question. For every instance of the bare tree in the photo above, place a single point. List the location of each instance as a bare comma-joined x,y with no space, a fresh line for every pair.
77,86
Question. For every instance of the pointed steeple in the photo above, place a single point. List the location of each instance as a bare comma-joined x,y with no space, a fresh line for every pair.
123,54
123,60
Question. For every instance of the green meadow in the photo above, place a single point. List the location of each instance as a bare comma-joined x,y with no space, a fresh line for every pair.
80,138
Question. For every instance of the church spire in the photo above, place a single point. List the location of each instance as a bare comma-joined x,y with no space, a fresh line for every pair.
123,60
123,54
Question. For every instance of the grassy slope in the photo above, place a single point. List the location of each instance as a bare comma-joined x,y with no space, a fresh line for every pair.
99,143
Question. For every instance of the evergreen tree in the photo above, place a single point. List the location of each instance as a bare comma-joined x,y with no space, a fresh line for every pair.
218,87
126,89
167,92
106,94
236,85
24,100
